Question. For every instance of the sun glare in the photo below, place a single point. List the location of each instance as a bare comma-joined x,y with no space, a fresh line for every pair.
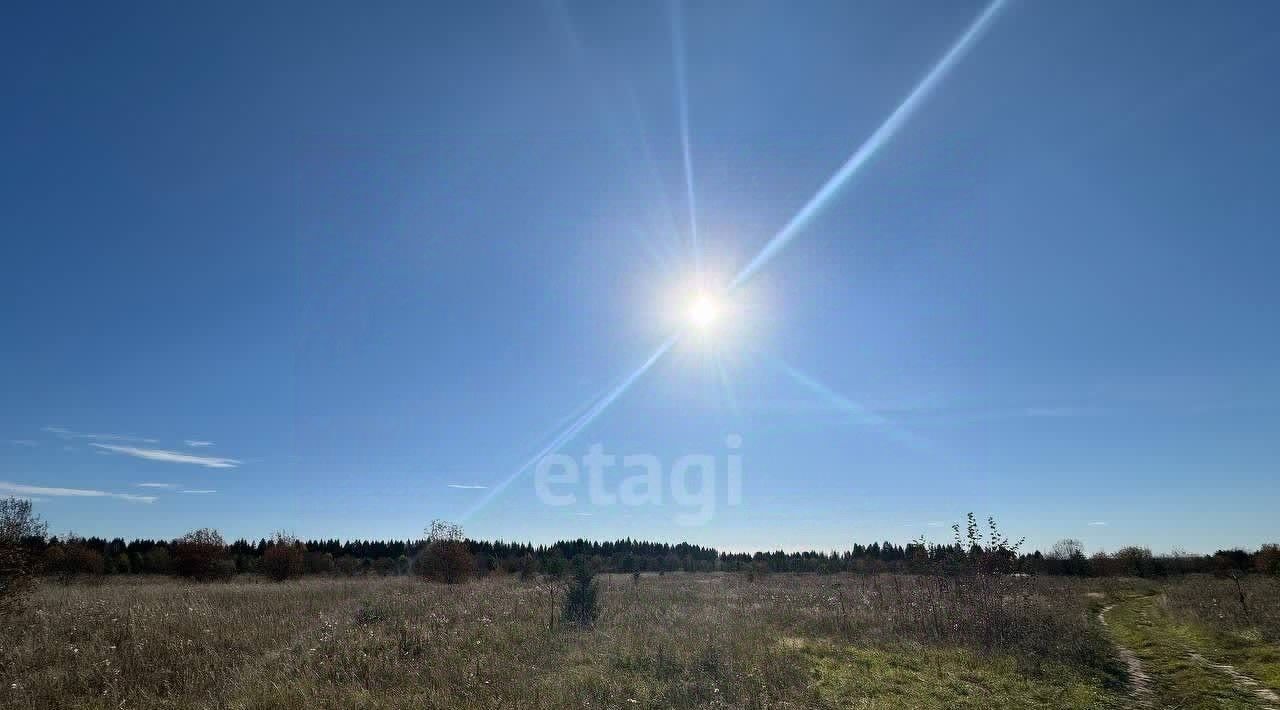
703,312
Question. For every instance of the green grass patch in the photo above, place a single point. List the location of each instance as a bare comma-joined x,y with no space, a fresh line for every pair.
1249,653
926,678
1179,680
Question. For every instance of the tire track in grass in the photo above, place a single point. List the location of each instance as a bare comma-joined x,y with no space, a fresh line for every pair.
1162,638
1139,680
1243,680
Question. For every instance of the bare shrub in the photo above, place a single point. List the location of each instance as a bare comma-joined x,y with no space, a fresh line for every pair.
996,556
19,527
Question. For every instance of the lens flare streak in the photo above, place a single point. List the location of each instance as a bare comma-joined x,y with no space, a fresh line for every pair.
882,135
730,399
624,131
864,415
564,437
682,97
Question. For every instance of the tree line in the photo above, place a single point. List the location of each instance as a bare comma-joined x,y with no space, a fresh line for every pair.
444,553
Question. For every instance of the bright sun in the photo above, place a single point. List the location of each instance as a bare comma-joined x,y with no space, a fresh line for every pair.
703,312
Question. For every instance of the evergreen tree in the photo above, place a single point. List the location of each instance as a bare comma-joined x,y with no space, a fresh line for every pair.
581,602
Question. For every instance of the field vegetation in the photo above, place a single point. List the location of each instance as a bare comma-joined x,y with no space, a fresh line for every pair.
957,626
677,640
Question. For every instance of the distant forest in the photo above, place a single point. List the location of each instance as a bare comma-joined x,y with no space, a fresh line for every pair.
97,555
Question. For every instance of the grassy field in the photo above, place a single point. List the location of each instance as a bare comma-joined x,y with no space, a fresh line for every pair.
677,641
1201,647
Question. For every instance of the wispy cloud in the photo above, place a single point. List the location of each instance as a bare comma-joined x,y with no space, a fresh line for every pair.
1061,412
197,444
1098,524
65,433
466,486
25,490
936,524
199,491
156,485
170,456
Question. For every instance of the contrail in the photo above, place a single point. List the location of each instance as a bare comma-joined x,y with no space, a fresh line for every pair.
682,98
573,429
882,135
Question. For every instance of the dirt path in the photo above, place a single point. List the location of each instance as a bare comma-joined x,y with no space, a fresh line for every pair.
1139,681
1142,682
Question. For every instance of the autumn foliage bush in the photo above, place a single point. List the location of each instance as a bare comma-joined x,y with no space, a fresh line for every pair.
18,527
284,557
445,556
202,555
71,559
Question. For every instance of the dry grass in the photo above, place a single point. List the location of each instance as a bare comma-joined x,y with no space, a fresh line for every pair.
680,641
1211,620
1214,602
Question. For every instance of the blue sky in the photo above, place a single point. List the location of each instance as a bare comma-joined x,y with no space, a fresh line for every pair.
341,270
